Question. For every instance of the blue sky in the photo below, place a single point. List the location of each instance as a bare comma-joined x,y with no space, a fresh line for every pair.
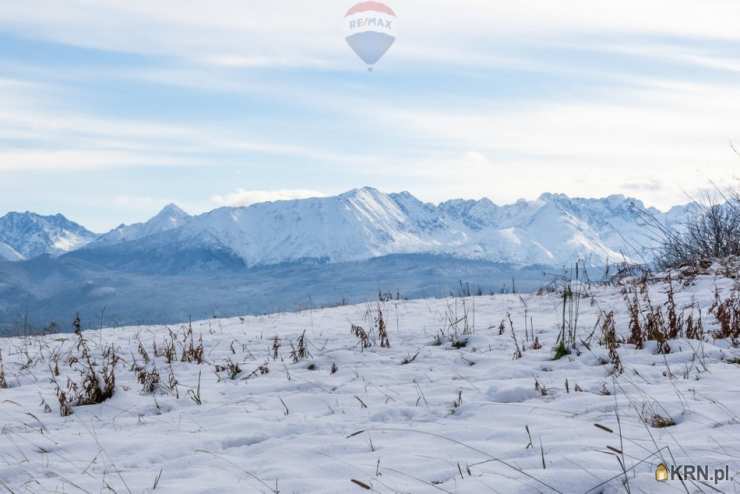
111,109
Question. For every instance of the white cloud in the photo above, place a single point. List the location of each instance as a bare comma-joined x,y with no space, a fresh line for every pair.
657,141
242,197
614,136
265,33
238,61
58,139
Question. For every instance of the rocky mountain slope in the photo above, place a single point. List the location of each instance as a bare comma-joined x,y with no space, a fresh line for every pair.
28,235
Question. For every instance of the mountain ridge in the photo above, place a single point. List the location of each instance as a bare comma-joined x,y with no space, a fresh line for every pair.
365,223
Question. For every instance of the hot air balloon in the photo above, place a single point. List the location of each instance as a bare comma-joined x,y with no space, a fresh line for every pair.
370,30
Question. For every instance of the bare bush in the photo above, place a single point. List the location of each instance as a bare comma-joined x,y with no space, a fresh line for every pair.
713,233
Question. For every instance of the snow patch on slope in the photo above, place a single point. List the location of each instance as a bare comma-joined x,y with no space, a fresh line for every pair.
8,253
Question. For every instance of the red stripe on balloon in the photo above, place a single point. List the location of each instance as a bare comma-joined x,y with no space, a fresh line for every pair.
371,6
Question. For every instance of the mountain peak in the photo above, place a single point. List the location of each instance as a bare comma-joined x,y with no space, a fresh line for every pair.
173,209
31,235
169,218
372,191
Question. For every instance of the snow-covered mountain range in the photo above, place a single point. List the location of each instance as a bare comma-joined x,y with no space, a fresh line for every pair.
364,224
28,235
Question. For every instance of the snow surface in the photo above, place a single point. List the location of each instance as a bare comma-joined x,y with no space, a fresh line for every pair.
296,429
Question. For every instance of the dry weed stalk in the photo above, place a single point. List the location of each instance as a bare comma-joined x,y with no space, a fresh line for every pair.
299,351
727,313
172,383
190,351
3,381
694,330
170,348
362,335
382,331
655,327
195,393
609,337
517,348
143,352
637,336
674,326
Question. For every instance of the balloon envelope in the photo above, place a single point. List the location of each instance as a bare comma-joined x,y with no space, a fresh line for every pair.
370,46
370,30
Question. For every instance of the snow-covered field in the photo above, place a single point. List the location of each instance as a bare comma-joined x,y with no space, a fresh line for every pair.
344,419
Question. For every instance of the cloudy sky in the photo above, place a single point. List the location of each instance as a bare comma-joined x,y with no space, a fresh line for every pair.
110,109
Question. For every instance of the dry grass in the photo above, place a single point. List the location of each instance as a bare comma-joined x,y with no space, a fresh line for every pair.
661,323
230,368
149,380
93,387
